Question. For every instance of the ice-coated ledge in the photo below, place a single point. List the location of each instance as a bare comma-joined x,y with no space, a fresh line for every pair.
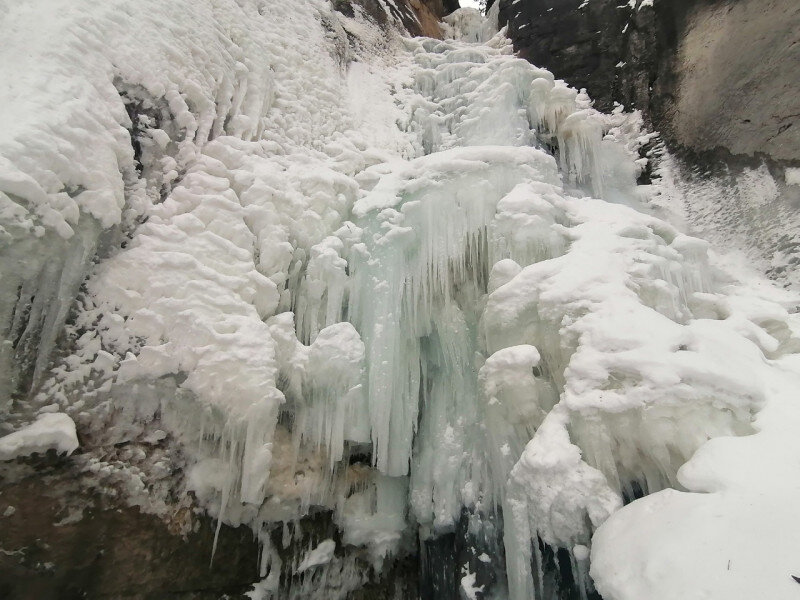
50,431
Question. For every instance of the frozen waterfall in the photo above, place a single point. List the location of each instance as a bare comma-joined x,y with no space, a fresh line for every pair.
407,283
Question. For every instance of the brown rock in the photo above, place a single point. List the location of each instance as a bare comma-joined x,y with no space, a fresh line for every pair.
59,541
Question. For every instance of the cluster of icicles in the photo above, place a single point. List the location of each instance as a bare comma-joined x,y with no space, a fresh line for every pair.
477,329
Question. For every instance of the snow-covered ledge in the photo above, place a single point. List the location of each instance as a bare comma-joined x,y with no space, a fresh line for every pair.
50,431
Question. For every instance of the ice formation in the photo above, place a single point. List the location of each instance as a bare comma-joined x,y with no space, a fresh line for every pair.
50,431
448,308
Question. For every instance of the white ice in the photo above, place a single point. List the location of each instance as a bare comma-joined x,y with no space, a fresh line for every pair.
320,555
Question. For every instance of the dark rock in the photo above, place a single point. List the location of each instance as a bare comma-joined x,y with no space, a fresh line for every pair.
736,75
441,7
610,48
60,541
707,73
475,546
62,538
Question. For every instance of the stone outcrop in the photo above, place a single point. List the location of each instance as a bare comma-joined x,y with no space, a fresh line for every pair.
591,44
419,17
710,74
64,539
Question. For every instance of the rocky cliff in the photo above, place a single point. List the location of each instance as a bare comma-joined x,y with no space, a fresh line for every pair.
418,17
709,74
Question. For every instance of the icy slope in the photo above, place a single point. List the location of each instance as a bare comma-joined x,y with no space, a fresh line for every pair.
405,283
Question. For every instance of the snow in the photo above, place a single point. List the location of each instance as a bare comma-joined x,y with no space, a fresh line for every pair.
468,587
50,431
792,176
399,281
733,536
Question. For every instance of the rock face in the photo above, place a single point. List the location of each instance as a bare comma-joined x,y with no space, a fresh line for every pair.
442,7
738,84
60,540
419,17
709,74
589,44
